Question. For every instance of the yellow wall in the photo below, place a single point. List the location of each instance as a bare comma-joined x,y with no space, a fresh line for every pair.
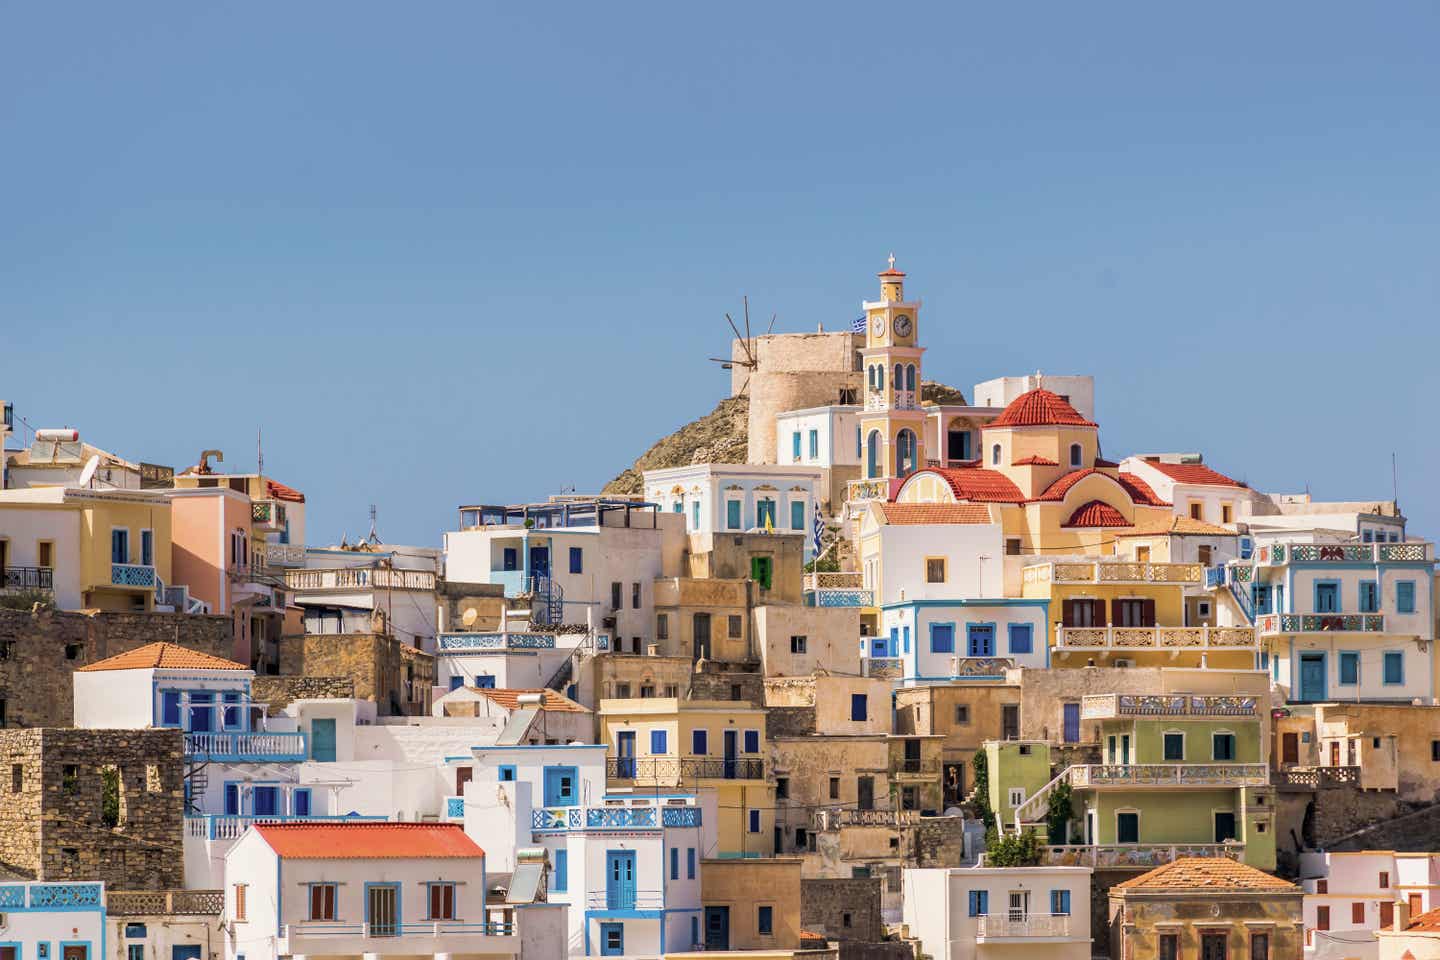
97,520
746,885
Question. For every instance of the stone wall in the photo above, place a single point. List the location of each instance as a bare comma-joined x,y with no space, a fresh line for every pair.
723,684
842,909
280,692
395,676
52,828
789,721
39,652
886,950
940,842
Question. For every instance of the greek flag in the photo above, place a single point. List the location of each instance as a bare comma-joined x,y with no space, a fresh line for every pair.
857,325
818,530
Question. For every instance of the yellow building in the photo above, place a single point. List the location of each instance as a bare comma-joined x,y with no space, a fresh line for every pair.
893,423
697,745
1113,613
751,904
91,549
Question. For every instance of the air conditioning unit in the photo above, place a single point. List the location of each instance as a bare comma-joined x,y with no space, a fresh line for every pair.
1123,663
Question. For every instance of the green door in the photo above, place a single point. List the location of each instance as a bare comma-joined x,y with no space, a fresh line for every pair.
322,739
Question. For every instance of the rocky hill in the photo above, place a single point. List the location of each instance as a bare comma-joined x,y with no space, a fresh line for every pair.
722,436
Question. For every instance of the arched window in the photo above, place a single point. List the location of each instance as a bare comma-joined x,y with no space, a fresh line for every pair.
899,377
872,455
910,378
870,378
1076,452
880,376
995,455
905,453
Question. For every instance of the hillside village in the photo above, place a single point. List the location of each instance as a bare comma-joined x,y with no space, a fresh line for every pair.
858,666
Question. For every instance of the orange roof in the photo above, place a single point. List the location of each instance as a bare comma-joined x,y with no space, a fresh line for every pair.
279,491
1040,408
166,656
1096,513
367,840
553,700
1428,921
1179,527
1193,473
1140,491
935,513
1035,461
977,484
892,272
1199,873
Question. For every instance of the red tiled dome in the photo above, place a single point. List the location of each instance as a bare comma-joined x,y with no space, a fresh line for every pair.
1097,513
1040,408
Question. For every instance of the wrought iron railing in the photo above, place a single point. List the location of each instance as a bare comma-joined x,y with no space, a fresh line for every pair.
737,769
27,578
661,770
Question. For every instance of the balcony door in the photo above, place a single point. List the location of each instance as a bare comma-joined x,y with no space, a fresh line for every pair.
1019,905
625,754
322,739
1010,721
1312,677
1070,724
382,909
701,640
732,741
1081,613
865,791
717,928
1224,826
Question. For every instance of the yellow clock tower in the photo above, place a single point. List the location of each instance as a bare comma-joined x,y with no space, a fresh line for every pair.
892,427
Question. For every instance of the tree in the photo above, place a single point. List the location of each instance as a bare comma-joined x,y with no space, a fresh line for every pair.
1013,850
1059,813
981,768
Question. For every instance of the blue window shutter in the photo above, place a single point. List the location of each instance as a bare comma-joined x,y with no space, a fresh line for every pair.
674,863
562,870
301,801
795,445
754,821
699,743
752,741
732,514
577,563
814,444
1394,667
797,514
657,741
858,706
1405,596
170,708
690,863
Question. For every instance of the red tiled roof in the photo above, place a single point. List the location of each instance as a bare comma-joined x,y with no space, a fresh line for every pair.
1061,486
977,484
892,272
1096,513
906,513
1102,462
368,840
1040,408
1193,473
1140,491
553,700
163,655
1428,921
1035,461
278,491
1195,873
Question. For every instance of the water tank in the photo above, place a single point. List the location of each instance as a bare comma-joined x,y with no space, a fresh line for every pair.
58,436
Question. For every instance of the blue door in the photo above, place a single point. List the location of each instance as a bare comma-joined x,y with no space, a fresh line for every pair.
540,561
322,739
202,714
232,799
612,939
188,951
1072,722
717,928
981,640
625,755
620,879
1312,676
266,801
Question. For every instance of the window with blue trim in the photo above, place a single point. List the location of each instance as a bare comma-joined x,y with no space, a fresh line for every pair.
1260,597
169,708
765,921
1394,667
674,863
507,772
695,931
1060,902
1327,596
980,639
1022,638
905,638
300,801
689,863
754,821
732,514
577,560
699,742
1405,596
658,742
859,706
942,638
814,444
562,870
135,931
510,558
797,514
561,787
135,951
765,513
859,443
752,741
233,718
795,445
695,515
1369,596
979,903
1349,669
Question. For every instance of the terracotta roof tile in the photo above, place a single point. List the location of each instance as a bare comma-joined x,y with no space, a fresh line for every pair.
1140,491
1198,873
977,484
1061,486
1178,527
278,491
1040,408
1034,461
553,700
1430,920
1096,513
167,656
364,840
906,513
1193,473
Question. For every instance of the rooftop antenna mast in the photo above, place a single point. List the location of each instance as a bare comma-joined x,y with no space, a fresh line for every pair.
751,360
374,537
259,454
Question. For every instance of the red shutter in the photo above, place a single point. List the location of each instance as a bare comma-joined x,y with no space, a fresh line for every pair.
1322,918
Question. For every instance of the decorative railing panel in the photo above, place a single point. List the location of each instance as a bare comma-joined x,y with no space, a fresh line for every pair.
844,598
455,808
295,935
1314,778
1169,774
834,581
51,895
1142,856
838,817
132,575
664,771
1404,551
612,818
1320,623
882,667
867,490
1115,572
496,641
12,897
1169,638
1006,927
980,666
284,554
1280,553
246,746
160,903
750,769
1105,706
680,816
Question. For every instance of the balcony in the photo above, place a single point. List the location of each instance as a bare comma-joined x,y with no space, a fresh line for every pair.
888,668
839,817
1109,706
1272,623
50,896
1107,571
721,769
231,827
1316,778
268,515
1140,856
1032,926
165,903
473,642
877,489
1130,775
915,767
625,898
836,590
429,938
138,575
570,819
246,747
1155,638
360,578
22,579
284,554
1275,554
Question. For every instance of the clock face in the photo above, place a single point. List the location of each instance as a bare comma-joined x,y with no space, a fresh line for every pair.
877,326
902,326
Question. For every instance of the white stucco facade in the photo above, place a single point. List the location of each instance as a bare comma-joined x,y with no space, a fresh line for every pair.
961,914
66,917
722,497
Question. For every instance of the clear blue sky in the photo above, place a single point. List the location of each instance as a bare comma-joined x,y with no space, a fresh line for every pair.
450,253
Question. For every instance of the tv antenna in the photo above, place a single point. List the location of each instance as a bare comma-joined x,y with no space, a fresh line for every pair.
751,361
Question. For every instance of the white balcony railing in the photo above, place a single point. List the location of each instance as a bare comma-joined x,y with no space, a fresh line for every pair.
1142,856
246,747
1274,554
1169,775
1155,638
360,578
1269,623
834,581
1018,927
285,554
1109,571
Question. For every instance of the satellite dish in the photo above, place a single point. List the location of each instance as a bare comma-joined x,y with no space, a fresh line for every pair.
88,474
469,616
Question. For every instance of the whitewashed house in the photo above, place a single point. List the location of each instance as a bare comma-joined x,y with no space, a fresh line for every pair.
341,589
738,497
1349,896
628,865
515,659
64,920
530,716
373,889
960,914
